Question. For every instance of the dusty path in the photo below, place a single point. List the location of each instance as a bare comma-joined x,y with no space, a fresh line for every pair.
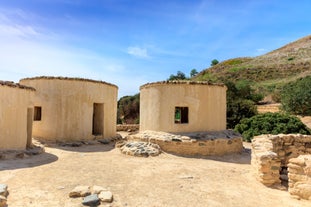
166,180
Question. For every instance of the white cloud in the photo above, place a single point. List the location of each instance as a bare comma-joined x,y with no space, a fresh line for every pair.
17,30
138,52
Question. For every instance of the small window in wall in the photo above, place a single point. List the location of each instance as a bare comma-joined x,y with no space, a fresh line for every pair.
37,113
181,115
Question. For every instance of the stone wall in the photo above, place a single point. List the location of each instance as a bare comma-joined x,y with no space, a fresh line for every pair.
128,127
197,143
271,155
299,173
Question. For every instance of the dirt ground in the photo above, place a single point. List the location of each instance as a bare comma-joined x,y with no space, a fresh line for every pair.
165,180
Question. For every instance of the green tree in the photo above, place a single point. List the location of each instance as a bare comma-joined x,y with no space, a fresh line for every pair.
296,97
270,123
179,76
193,72
128,110
214,62
241,102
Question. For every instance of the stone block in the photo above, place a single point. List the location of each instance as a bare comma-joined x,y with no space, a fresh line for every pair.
106,196
303,190
297,161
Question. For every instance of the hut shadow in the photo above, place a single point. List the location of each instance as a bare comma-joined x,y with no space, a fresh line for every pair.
29,162
239,158
84,148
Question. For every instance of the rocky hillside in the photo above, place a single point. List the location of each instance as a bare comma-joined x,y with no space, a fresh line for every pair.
266,71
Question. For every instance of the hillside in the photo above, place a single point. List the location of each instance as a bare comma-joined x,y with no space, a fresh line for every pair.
267,71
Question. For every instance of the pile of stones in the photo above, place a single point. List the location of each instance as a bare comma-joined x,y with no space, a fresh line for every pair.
3,194
30,151
92,196
139,149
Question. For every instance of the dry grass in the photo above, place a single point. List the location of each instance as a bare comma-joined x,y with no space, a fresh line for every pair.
289,62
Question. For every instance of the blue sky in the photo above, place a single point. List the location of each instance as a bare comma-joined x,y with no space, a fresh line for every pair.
132,42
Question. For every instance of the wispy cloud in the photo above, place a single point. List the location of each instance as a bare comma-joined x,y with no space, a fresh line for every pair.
17,30
138,52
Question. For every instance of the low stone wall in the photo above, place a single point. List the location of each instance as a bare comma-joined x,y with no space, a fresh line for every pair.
198,143
128,127
271,155
299,173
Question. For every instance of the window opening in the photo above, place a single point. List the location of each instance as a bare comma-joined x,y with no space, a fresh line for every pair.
37,113
181,115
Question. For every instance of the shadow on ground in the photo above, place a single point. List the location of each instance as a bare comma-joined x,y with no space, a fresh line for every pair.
239,158
32,161
85,148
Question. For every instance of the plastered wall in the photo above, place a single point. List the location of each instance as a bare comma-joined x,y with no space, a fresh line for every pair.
67,108
14,105
206,104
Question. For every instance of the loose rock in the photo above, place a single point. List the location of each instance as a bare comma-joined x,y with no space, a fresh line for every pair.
3,190
91,200
106,196
97,189
80,191
2,201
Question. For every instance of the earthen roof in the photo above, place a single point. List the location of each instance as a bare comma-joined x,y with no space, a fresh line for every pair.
181,82
68,78
15,85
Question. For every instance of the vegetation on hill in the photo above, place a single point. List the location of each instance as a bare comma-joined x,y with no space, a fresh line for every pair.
182,76
296,97
128,110
270,123
268,72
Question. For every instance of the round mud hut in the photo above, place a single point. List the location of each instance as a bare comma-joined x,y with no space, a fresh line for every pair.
73,109
182,106
16,113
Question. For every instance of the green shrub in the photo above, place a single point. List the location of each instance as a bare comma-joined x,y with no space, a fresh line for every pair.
296,97
239,109
214,62
241,102
270,123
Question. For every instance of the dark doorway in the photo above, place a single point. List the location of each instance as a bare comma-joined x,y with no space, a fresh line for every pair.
98,119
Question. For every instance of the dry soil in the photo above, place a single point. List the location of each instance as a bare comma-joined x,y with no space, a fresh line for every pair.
165,180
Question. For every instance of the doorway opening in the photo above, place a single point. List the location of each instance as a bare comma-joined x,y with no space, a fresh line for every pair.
29,126
98,119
